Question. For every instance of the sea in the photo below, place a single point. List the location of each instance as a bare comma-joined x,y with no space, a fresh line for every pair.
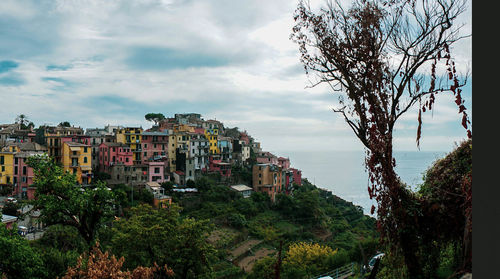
343,172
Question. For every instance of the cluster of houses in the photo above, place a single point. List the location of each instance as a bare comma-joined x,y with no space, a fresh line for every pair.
177,149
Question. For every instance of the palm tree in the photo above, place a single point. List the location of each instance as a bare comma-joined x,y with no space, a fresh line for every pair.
22,120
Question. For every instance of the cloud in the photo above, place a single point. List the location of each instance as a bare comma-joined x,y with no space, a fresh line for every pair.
152,58
7,65
13,79
94,63
58,67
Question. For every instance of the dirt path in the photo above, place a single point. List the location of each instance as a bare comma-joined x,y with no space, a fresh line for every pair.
247,263
244,247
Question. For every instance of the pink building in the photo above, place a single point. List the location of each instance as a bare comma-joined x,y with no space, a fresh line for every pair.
199,131
112,153
216,165
23,176
156,171
265,157
284,162
154,146
244,137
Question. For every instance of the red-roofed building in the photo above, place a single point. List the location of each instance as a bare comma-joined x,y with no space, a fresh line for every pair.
179,177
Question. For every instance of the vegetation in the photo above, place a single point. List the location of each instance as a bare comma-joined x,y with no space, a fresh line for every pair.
61,201
24,122
160,236
154,117
64,124
17,258
352,50
102,265
307,218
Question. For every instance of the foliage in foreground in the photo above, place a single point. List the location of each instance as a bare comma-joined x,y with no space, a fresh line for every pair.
17,258
102,265
62,201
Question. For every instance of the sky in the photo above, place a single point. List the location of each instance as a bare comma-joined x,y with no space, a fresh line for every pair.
94,63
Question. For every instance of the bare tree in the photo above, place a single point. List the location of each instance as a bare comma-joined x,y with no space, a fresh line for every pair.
374,54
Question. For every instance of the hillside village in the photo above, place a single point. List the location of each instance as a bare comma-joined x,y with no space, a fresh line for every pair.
176,149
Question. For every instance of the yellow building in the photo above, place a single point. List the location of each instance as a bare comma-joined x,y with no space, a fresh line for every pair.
76,159
183,128
132,137
212,136
6,167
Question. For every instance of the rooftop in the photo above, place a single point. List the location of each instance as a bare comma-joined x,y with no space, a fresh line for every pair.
8,218
241,188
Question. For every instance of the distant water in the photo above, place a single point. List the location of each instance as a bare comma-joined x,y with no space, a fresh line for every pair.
343,172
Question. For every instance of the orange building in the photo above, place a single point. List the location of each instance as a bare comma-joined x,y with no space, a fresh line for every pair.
267,179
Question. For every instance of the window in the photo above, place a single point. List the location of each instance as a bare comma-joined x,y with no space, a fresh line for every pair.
157,170
126,159
16,161
15,170
24,170
85,159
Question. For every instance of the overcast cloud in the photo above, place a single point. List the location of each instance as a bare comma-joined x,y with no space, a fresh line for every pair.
94,63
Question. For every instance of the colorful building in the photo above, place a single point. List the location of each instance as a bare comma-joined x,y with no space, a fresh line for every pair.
54,137
14,169
156,171
7,166
98,136
77,159
297,176
113,153
265,157
216,165
23,176
212,135
225,146
132,137
284,162
154,145
267,179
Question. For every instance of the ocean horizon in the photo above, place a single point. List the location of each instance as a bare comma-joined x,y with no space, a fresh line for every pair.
343,172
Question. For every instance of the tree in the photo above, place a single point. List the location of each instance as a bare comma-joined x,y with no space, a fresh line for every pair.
23,122
155,117
62,201
22,119
308,258
64,124
160,236
373,55
17,258
263,269
59,247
